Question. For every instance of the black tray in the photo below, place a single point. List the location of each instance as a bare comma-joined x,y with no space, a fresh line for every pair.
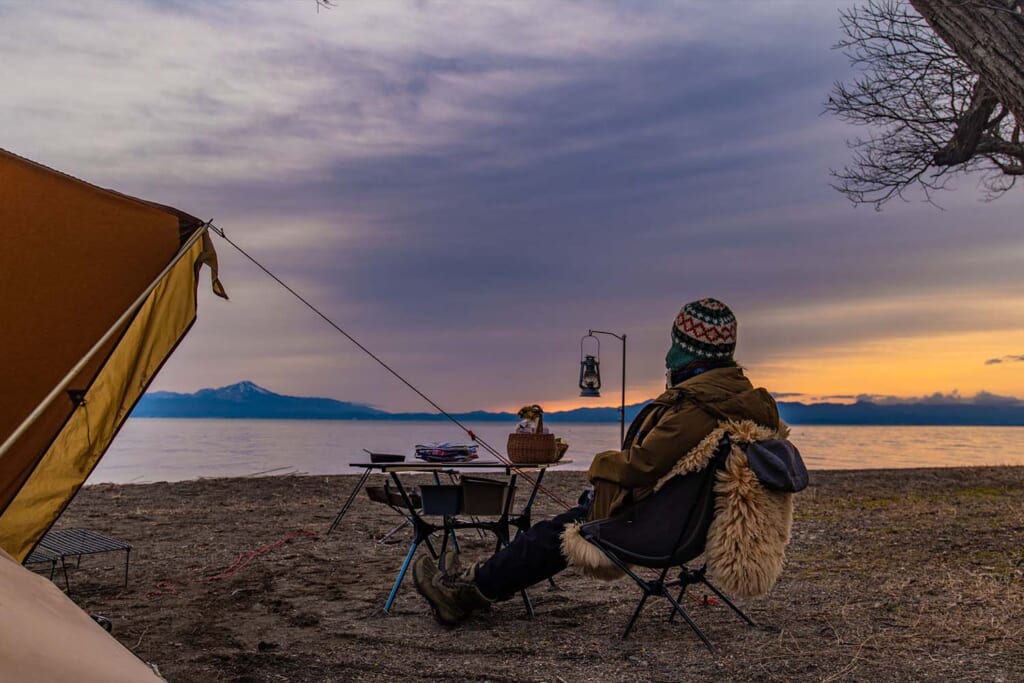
386,457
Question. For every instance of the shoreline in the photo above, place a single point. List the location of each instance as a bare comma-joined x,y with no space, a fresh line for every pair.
276,472
892,574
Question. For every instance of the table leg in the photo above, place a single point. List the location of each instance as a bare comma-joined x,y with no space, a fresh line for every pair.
472,518
67,581
430,547
455,541
448,530
502,532
385,537
503,521
351,498
523,519
444,546
401,575
421,534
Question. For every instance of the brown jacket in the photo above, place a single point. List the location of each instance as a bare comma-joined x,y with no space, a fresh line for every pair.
668,428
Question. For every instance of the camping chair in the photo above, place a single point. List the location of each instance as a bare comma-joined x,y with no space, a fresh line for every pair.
666,530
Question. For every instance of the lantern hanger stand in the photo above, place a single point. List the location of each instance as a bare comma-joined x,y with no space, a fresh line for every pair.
622,404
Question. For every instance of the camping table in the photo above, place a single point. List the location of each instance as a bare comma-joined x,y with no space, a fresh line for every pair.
423,530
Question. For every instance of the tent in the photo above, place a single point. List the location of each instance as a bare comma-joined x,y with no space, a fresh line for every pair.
96,291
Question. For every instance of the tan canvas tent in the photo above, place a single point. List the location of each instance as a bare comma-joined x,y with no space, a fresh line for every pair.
96,291
46,637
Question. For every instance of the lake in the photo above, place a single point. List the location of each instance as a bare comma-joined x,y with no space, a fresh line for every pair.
162,449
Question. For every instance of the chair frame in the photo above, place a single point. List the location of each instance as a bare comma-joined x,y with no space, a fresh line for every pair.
688,576
659,587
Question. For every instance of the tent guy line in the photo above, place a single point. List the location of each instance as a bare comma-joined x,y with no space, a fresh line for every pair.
469,432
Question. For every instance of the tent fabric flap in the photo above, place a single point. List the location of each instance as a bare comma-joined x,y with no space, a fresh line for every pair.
149,339
46,637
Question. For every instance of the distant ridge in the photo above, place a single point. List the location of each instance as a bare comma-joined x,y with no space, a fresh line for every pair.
249,400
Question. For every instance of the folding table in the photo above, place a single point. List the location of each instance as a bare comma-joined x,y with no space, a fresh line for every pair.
422,529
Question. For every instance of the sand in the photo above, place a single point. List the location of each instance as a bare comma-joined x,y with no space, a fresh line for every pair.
892,575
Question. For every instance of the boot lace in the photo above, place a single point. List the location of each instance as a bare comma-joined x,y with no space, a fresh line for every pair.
459,579
453,580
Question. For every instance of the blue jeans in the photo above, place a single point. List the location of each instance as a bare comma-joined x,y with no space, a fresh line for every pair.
534,556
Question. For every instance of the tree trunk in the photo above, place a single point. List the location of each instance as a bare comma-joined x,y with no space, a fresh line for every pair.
989,36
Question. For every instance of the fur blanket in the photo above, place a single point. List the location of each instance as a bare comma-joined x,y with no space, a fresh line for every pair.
747,540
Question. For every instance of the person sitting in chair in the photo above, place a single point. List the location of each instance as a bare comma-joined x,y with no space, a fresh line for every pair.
676,434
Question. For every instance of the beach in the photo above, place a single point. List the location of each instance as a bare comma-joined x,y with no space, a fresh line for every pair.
891,575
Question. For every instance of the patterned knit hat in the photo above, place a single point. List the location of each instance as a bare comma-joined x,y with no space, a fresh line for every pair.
703,330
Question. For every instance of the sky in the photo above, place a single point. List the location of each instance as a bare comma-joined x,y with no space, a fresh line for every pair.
468,187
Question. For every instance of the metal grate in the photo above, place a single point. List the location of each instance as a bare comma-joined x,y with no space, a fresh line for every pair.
59,545
69,542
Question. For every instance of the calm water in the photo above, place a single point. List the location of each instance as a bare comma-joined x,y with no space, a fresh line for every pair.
153,449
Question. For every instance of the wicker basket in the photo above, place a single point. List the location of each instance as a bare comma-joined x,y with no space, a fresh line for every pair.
534,448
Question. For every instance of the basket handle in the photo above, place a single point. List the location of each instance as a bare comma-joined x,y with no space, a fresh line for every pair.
540,418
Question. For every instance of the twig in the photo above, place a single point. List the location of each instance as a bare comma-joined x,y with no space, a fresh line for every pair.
139,641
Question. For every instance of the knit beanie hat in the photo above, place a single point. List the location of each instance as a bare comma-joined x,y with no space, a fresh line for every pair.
703,330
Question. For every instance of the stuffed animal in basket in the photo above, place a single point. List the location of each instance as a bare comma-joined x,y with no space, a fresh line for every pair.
529,417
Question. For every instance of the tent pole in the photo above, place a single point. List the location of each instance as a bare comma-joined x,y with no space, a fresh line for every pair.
63,384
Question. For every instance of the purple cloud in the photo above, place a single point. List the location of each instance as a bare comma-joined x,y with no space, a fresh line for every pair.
467,189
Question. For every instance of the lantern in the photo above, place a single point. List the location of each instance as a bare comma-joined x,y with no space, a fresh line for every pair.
590,371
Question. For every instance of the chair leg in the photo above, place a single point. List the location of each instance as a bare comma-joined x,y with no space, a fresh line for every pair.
661,588
656,587
636,613
528,604
672,610
691,622
721,595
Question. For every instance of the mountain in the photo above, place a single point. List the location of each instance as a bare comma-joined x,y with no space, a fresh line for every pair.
911,413
248,400
595,414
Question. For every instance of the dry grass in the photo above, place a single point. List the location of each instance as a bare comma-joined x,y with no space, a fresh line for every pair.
891,576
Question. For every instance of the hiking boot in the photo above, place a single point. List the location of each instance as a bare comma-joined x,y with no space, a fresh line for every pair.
451,565
452,597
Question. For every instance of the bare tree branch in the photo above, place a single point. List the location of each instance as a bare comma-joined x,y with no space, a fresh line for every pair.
930,115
